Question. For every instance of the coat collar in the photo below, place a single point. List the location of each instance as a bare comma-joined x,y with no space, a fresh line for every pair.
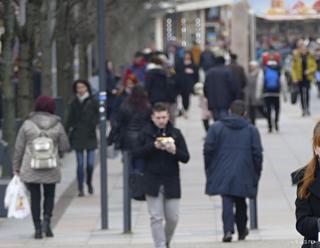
155,131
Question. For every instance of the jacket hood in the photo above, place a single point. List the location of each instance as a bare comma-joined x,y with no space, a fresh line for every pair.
235,122
44,120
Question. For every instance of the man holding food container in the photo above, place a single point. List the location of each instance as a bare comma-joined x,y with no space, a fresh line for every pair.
162,147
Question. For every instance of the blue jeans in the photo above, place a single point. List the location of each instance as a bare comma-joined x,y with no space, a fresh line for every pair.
80,167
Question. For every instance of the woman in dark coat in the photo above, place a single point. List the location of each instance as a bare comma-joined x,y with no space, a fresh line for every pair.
133,115
187,76
308,196
81,125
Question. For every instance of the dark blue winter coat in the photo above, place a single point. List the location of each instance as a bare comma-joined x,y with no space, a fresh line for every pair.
233,158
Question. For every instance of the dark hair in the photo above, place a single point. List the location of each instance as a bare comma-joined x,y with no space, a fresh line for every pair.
81,81
138,54
156,60
138,99
45,104
238,107
233,56
220,60
159,107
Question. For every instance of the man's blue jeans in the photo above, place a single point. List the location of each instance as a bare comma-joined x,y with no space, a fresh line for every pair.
80,167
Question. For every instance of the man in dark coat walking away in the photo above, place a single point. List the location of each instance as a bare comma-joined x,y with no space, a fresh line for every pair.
233,163
220,89
238,74
162,147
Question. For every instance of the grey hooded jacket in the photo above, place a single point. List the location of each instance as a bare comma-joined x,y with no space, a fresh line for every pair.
28,132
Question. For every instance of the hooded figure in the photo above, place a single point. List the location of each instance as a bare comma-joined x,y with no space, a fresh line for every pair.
233,163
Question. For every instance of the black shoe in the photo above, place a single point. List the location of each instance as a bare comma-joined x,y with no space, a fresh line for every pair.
243,235
90,189
38,234
167,245
276,127
81,193
227,237
46,227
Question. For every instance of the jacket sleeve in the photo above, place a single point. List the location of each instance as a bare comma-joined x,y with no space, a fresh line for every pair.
146,148
306,223
210,145
63,141
20,146
294,70
257,152
259,88
182,153
70,118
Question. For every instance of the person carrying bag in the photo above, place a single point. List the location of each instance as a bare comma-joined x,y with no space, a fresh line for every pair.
36,160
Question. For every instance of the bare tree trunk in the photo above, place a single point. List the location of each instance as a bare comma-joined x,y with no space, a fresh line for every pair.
83,60
65,52
47,27
25,86
9,131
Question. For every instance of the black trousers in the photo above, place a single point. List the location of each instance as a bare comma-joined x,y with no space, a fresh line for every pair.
48,202
304,88
185,95
272,103
229,217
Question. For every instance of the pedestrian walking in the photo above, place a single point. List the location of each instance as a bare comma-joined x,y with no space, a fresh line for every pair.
137,68
304,67
41,129
162,148
133,115
308,196
207,59
254,100
233,163
271,84
220,89
187,77
239,75
81,126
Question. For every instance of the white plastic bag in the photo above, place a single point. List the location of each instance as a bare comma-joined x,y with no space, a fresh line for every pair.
16,200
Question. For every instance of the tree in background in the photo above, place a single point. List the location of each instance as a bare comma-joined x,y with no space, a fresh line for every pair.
6,70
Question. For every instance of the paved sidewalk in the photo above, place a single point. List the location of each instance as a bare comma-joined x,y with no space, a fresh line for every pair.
200,216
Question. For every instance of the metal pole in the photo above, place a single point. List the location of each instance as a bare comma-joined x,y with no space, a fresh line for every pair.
102,111
126,193
253,214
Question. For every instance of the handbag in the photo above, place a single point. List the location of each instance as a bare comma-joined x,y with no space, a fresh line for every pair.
136,185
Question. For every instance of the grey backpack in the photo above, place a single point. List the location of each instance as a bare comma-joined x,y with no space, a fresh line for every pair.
43,151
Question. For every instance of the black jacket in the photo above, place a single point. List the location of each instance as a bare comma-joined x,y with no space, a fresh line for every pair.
157,86
308,213
81,123
184,80
239,77
233,158
219,88
161,167
126,128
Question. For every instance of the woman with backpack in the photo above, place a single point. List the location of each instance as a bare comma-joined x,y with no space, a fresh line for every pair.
44,130
81,126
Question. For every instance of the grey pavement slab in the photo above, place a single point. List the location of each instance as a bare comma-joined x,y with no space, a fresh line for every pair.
200,222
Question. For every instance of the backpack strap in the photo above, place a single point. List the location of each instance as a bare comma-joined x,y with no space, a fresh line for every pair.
40,131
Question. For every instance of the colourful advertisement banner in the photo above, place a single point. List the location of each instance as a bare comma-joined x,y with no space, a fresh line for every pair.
286,7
